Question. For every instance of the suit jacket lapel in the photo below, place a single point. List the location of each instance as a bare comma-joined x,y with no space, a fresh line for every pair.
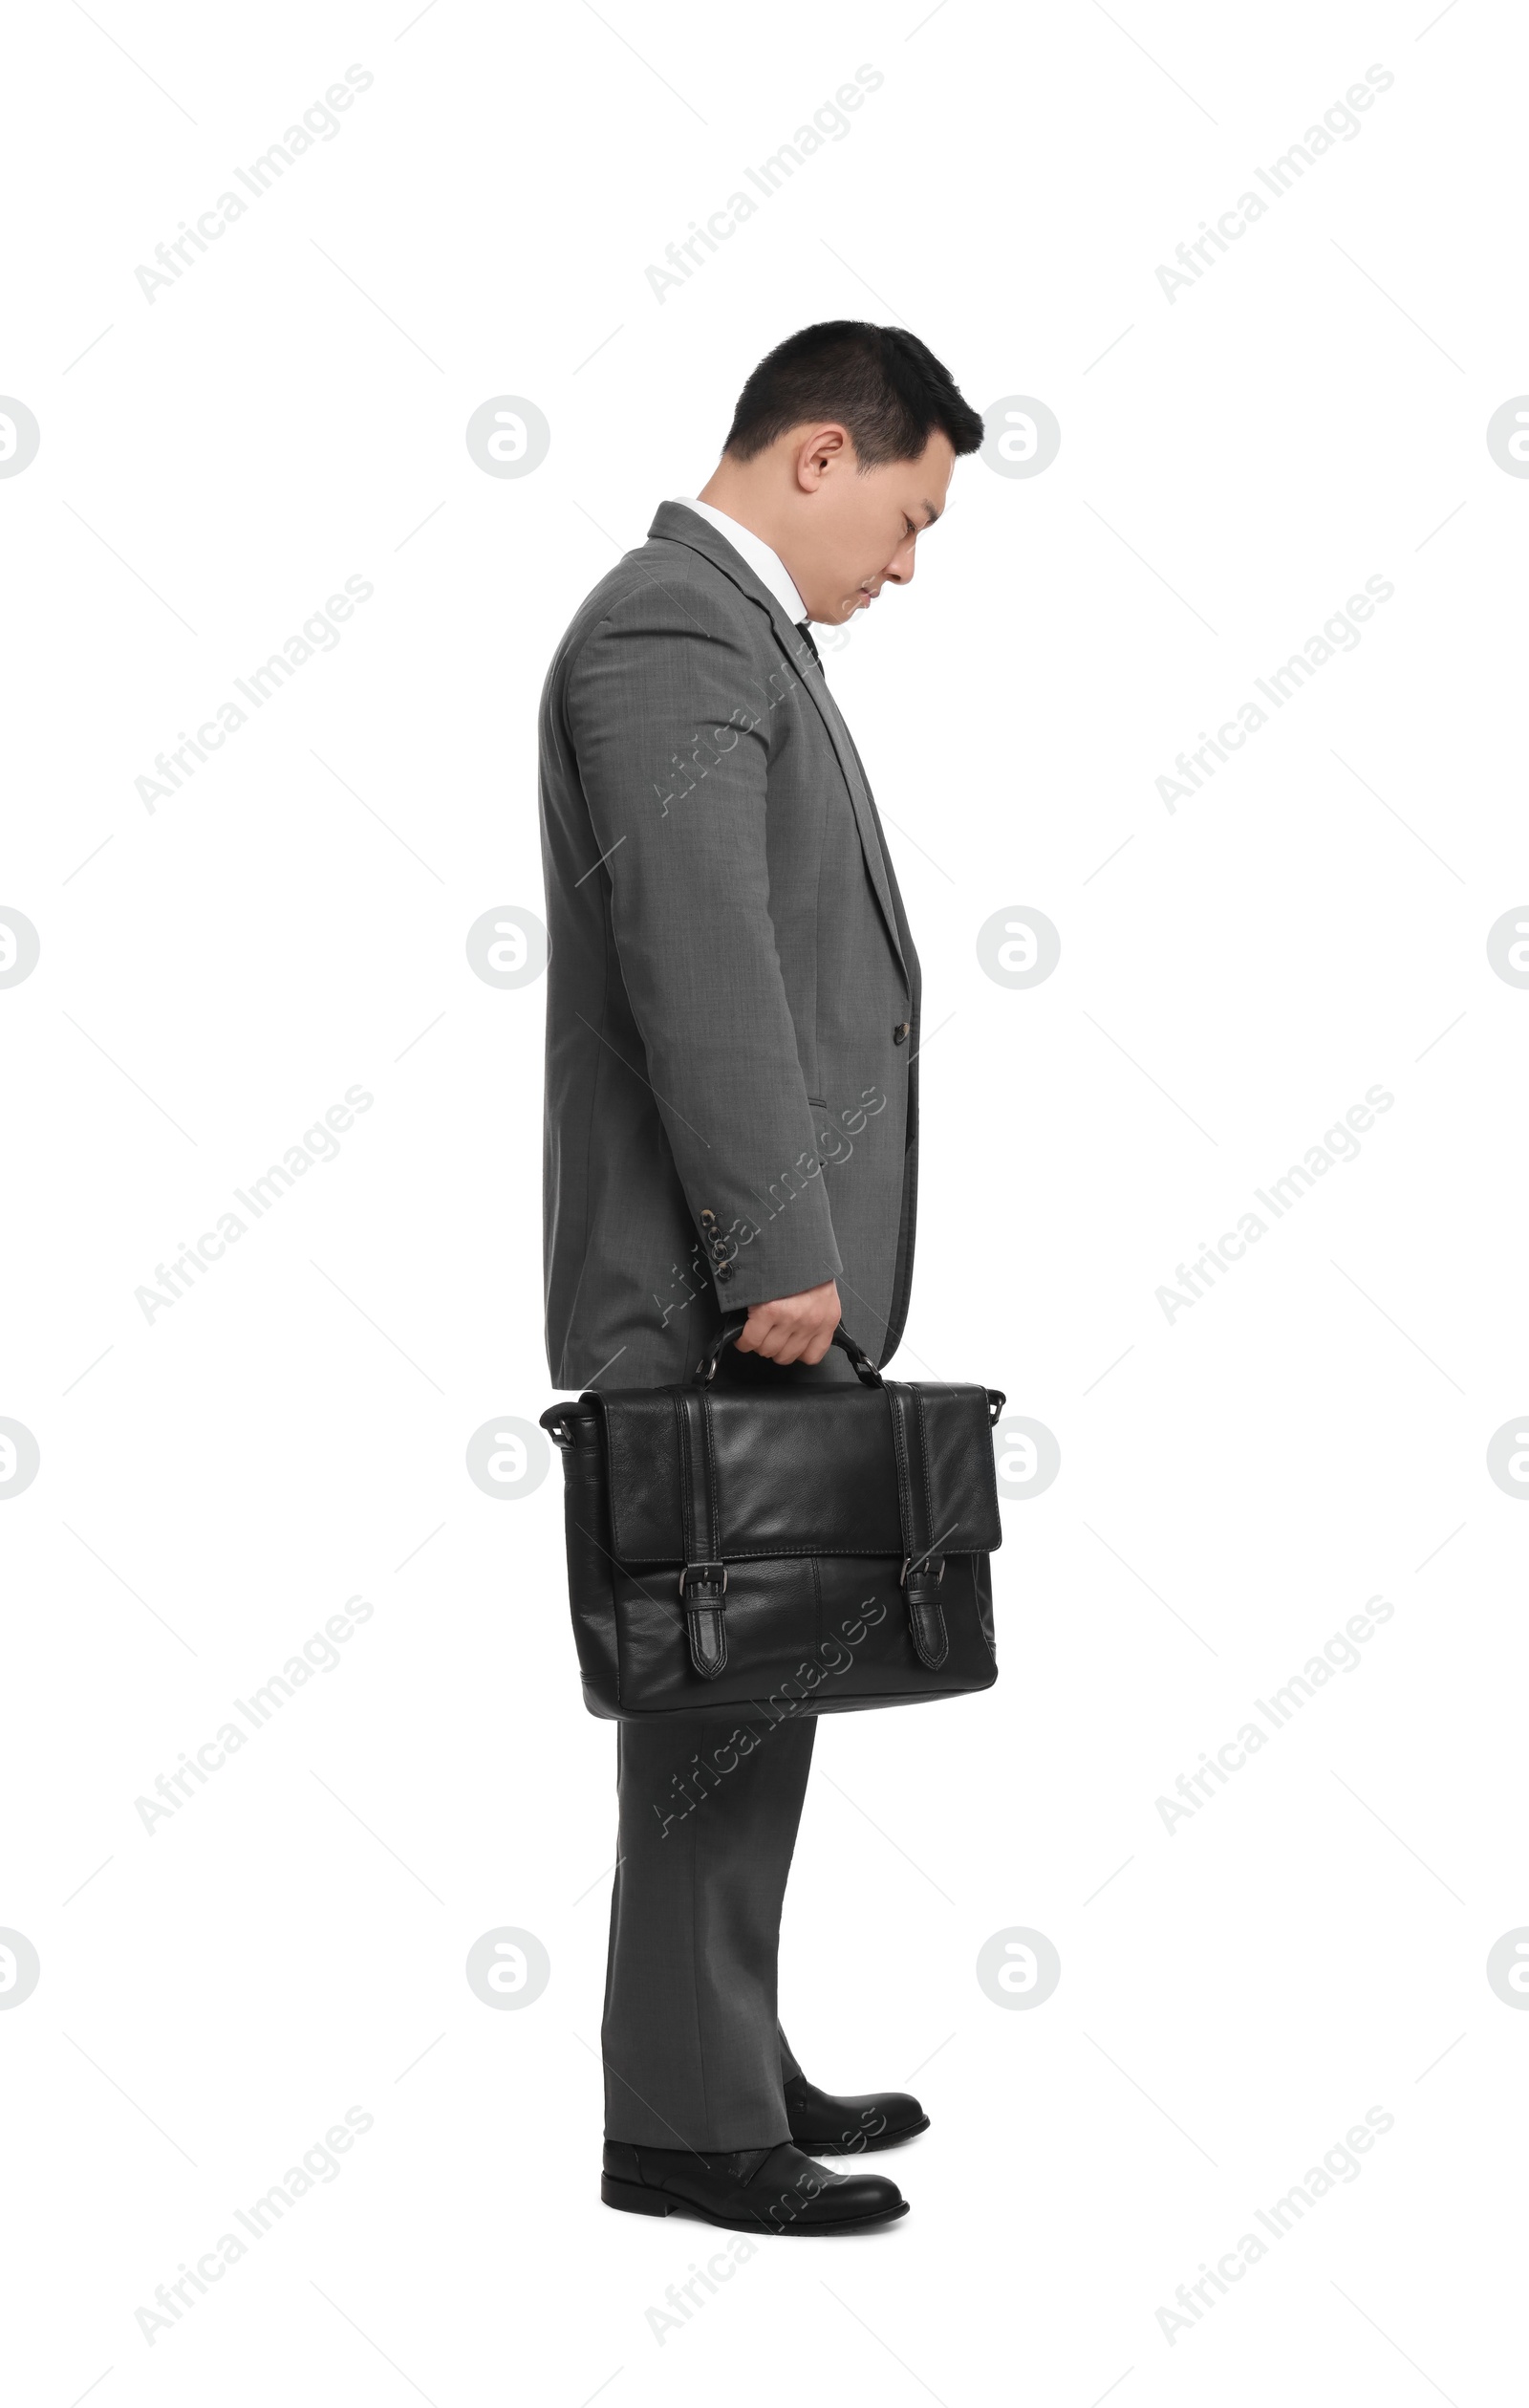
677,525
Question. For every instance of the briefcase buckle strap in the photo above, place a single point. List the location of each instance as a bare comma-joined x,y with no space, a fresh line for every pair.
703,1581
701,1589
923,1569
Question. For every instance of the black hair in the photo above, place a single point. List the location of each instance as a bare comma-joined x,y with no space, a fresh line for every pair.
883,385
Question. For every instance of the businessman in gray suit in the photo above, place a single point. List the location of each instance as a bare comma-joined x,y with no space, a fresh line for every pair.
732,1045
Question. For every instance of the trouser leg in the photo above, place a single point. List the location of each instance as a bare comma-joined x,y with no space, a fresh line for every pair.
709,1810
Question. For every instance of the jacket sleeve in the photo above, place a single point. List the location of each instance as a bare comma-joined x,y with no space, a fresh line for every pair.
670,721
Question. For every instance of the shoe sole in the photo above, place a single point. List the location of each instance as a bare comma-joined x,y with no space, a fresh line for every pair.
634,2199
850,2145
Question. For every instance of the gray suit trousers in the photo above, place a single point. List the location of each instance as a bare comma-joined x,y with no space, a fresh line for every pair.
693,2052
709,1806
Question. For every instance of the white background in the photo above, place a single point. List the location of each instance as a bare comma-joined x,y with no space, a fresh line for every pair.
1235,1483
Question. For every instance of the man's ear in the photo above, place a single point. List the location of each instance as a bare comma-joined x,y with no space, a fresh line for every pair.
824,448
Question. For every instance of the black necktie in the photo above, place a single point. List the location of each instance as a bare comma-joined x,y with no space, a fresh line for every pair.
805,631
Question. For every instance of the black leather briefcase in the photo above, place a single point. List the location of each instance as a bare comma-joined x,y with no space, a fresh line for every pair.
791,1550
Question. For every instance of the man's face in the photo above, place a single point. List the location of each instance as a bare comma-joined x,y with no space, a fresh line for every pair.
853,530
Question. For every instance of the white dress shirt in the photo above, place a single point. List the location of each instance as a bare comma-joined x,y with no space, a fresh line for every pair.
767,565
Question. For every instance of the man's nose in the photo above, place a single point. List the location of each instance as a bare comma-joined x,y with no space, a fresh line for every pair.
900,568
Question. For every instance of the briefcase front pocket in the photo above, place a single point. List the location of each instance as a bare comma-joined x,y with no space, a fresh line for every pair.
804,1636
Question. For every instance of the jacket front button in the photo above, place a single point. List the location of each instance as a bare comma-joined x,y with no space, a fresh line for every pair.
903,1031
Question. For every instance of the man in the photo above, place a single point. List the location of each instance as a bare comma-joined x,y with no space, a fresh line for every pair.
732,1126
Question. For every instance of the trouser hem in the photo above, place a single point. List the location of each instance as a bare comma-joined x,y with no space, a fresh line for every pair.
710,2147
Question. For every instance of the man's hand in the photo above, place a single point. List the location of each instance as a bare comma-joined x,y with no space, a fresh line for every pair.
793,1328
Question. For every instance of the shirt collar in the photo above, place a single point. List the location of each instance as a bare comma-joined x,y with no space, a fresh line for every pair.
767,565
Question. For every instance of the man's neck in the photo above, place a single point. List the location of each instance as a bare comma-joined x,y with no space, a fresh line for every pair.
728,499
740,497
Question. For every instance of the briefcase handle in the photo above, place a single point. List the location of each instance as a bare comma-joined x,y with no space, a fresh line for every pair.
732,1328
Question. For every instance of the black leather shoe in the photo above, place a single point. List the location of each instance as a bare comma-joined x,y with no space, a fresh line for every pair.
749,2190
828,2127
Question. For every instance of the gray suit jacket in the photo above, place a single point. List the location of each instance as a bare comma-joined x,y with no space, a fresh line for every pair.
732,994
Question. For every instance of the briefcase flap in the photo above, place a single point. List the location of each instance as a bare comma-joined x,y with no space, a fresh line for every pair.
810,1471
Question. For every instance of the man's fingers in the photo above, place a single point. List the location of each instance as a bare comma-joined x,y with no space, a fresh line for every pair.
793,1344
783,1332
779,1343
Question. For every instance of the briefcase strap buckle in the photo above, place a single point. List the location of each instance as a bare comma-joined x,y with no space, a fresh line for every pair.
924,1573
710,1575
